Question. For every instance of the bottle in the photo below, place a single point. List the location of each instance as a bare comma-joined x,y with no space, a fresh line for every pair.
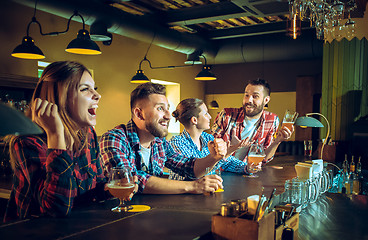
348,184
356,184
358,178
359,168
353,180
349,181
352,165
345,175
345,164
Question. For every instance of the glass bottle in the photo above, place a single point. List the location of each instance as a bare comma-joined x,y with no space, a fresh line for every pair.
359,168
358,178
352,165
345,174
345,166
353,180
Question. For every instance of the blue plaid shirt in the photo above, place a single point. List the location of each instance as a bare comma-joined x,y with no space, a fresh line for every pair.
121,146
184,144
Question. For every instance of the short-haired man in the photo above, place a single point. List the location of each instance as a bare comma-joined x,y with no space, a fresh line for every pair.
251,121
140,145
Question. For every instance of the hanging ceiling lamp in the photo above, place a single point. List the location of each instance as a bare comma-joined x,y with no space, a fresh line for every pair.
205,74
214,105
28,50
139,77
83,43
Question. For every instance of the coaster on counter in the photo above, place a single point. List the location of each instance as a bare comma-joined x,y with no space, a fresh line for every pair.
219,190
139,208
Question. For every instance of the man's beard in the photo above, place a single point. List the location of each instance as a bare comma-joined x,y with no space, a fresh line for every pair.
255,111
156,131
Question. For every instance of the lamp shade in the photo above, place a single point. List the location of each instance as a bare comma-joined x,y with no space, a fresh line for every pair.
139,77
83,45
13,122
214,105
308,122
27,50
205,74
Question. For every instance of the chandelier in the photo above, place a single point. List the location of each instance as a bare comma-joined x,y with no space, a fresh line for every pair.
328,17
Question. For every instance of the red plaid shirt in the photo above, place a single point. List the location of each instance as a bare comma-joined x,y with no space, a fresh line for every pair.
230,121
121,147
47,181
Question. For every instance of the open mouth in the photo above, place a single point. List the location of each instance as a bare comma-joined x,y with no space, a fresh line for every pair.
92,110
164,123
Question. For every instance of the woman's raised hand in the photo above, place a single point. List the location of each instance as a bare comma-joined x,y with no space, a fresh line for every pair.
46,115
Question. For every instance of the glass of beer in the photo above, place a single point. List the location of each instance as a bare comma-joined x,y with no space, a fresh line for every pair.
121,185
218,173
256,155
289,119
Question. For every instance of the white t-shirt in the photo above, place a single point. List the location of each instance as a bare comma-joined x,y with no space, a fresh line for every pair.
249,128
146,154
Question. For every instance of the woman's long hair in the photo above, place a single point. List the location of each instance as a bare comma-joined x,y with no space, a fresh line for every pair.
57,84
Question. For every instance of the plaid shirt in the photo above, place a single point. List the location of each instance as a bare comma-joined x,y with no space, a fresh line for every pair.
184,144
231,121
121,146
47,181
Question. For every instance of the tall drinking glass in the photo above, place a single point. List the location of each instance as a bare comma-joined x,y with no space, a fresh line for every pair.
256,155
218,173
289,119
121,185
308,147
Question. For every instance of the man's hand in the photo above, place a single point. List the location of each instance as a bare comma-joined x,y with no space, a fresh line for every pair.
236,144
136,186
207,184
252,168
284,134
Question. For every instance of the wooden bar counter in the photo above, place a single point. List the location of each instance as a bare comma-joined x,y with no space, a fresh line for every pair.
333,216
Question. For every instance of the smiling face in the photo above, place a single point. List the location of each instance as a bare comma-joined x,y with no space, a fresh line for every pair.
156,115
254,100
203,120
84,102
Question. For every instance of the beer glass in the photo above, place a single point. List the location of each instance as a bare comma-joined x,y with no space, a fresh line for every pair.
256,155
121,185
289,119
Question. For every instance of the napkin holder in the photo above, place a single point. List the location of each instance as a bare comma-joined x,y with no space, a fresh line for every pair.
304,171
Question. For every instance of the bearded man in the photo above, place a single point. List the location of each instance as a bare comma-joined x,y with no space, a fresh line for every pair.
140,145
251,121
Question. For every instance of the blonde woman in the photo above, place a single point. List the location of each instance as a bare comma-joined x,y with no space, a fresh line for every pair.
59,168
